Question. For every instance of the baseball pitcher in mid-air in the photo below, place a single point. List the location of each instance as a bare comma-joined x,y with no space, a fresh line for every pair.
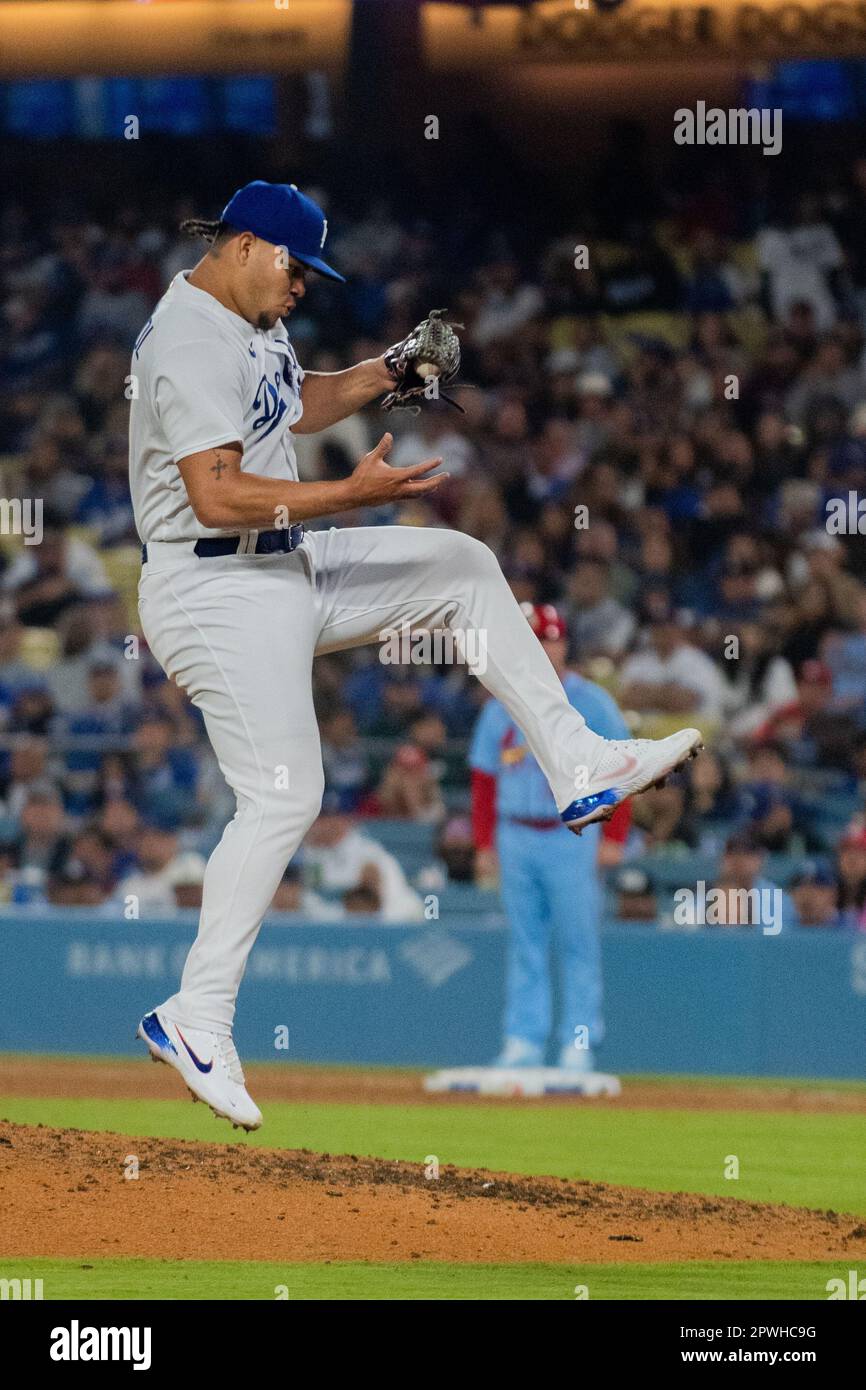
236,598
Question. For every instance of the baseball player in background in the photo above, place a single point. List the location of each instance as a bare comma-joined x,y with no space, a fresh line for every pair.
236,599
549,880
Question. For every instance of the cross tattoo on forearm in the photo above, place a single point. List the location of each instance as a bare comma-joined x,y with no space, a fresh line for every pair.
218,466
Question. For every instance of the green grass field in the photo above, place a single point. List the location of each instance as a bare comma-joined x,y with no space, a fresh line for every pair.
230,1280
807,1159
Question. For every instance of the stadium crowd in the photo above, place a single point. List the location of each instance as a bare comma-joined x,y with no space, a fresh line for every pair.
664,435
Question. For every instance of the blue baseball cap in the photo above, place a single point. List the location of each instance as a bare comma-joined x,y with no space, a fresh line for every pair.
278,213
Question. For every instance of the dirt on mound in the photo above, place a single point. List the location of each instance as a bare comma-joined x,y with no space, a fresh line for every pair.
65,1193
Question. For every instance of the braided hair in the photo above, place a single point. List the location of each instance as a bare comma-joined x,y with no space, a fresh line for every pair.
211,232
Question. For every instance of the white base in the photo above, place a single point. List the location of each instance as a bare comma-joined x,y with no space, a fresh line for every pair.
523,1081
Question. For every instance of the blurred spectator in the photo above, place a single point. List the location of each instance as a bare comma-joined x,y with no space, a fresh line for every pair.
161,869
187,878
506,305
90,860
47,474
363,901
106,718
711,801
772,819
845,656
598,624
97,376
409,789
33,710
828,373
814,893
715,283
759,680
643,276
44,579
338,857
84,879
455,847
15,671
119,823
293,896
106,504
44,841
799,260
851,871
402,701
828,596
554,463
744,889
635,895
429,733
68,677
346,763
809,730
110,307
660,814
27,763
772,806
600,541
671,675
164,777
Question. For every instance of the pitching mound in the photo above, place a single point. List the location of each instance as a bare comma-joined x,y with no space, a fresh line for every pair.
64,1193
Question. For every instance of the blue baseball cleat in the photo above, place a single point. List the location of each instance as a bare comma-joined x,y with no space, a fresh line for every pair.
208,1063
629,766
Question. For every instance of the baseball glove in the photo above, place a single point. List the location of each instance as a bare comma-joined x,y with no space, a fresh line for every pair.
432,344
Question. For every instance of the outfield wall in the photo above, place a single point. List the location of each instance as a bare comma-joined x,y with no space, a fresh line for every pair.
706,1001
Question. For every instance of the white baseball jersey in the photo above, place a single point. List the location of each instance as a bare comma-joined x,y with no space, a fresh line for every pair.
205,377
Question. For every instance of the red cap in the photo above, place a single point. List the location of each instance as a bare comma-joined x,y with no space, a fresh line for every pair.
544,621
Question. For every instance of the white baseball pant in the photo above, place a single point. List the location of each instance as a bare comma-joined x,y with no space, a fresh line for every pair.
238,633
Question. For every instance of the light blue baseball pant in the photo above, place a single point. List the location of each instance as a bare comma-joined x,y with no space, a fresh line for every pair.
553,900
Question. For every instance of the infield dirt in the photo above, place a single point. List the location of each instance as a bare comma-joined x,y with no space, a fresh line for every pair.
64,1192
117,1079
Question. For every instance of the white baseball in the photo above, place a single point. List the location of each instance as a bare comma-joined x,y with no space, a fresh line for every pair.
425,369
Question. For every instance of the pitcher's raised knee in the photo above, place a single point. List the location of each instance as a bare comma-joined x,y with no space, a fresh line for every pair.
464,556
